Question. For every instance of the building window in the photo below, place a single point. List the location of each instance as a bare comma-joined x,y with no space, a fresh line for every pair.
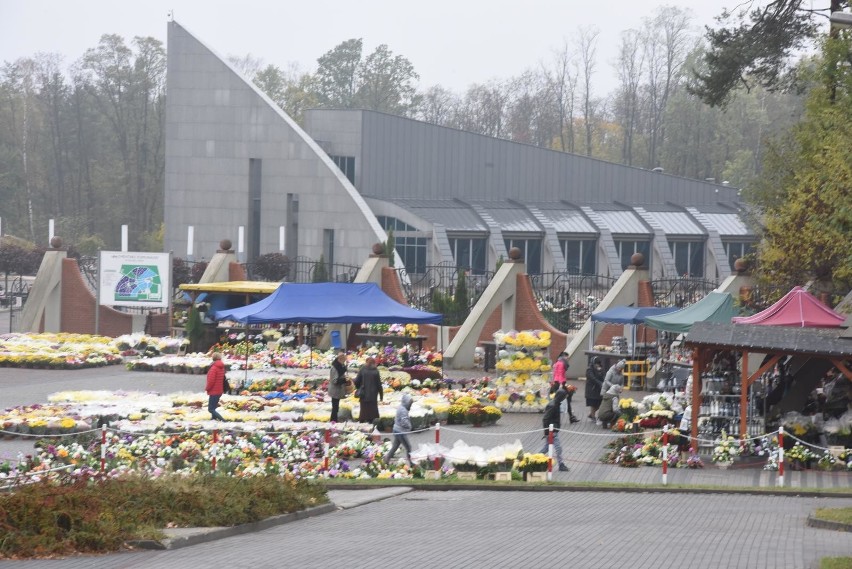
328,246
737,250
255,207
469,253
579,255
530,251
626,249
688,257
412,251
389,223
346,165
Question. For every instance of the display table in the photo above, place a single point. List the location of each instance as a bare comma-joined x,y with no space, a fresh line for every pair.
392,339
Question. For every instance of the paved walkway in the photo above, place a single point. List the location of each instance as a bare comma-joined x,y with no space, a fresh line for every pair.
472,529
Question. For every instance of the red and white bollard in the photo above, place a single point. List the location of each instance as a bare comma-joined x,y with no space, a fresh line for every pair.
215,449
437,442
550,453
326,449
665,454
781,456
103,449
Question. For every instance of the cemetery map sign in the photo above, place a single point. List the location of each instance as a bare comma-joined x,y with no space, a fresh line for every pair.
139,284
134,279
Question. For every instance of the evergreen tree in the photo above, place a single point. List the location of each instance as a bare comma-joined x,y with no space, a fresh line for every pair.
320,271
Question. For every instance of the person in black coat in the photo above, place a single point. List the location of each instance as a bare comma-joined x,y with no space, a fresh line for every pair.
553,416
369,386
594,382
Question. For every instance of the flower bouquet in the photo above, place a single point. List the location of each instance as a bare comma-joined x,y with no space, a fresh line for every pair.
726,450
799,457
533,462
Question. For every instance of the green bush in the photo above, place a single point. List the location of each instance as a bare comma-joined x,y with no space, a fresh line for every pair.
89,516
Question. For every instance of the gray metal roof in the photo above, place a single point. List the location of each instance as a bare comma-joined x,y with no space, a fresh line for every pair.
623,222
453,215
727,224
770,339
676,223
565,219
511,218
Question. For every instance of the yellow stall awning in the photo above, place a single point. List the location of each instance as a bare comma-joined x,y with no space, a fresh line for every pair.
233,287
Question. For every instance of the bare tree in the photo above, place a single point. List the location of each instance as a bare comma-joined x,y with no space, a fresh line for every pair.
562,80
587,41
667,45
629,70
438,105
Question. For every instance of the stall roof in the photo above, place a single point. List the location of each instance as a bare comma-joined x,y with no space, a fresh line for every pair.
630,314
769,339
329,302
715,307
796,308
234,287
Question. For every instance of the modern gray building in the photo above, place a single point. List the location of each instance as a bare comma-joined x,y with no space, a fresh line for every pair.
233,158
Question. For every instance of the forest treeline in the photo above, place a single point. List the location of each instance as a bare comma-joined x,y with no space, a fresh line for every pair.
82,142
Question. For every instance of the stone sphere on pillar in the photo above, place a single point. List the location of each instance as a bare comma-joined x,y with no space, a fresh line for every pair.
56,242
225,244
740,265
378,248
637,260
515,254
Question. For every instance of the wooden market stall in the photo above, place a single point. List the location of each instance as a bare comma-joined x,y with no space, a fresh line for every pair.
707,339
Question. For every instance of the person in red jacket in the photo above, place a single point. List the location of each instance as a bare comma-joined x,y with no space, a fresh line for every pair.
215,385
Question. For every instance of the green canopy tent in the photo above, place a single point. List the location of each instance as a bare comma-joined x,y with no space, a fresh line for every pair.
715,307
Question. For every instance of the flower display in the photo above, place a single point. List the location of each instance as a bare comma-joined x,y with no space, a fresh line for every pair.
726,448
533,462
524,339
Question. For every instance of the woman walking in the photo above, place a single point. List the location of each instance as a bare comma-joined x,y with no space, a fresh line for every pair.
215,385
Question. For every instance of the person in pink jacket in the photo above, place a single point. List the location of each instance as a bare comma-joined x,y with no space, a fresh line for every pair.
215,385
560,372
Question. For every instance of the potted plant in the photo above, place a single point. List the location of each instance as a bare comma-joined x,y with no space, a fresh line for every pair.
534,466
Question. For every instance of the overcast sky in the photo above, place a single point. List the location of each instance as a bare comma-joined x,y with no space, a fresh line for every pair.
452,43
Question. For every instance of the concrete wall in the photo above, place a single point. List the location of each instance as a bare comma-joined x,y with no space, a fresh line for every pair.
216,122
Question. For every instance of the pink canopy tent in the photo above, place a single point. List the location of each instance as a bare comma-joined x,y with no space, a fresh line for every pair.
796,308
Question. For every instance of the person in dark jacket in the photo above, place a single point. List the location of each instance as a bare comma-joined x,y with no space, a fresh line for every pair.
594,382
337,383
401,428
552,416
369,383
215,385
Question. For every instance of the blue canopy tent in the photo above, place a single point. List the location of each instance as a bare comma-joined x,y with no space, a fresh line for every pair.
628,315
340,303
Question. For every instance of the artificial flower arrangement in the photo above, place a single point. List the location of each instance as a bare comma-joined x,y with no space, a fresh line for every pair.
529,339
799,456
727,448
658,415
800,426
632,451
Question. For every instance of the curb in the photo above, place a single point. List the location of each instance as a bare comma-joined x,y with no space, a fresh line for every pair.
184,537
557,487
828,524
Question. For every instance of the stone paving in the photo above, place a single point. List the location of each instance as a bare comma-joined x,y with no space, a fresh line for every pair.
478,528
